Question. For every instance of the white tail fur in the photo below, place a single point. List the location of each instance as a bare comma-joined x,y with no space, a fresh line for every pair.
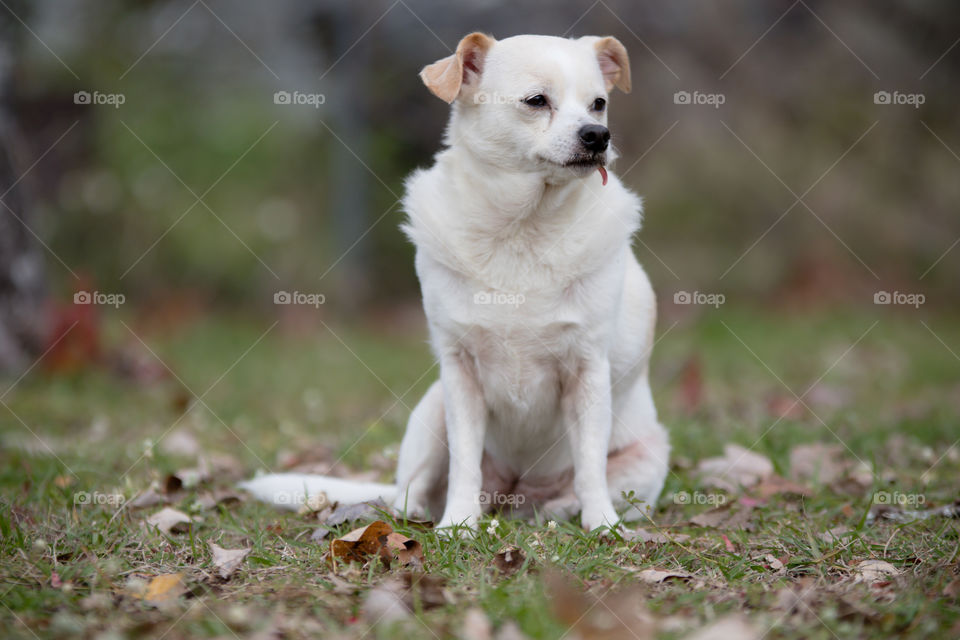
290,490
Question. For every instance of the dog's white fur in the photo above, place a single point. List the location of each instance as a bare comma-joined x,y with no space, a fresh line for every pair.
540,316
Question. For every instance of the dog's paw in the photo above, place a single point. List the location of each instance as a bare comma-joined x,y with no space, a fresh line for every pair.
597,519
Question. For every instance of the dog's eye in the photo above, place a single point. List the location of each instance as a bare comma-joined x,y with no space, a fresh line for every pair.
538,100
599,104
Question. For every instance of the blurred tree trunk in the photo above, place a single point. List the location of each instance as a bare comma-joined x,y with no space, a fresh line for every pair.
22,289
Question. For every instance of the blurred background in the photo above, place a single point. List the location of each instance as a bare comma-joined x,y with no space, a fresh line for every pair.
194,159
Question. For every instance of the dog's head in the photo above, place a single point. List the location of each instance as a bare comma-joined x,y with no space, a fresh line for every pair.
532,102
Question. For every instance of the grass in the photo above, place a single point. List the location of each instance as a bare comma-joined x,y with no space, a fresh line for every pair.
890,393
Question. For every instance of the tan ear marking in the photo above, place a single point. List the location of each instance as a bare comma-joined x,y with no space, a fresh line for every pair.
445,77
614,63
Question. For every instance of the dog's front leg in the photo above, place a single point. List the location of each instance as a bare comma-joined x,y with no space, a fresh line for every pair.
466,426
587,415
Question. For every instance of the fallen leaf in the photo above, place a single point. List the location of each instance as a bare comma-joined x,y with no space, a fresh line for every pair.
725,518
738,467
227,560
952,590
774,484
180,442
476,625
148,498
658,576
360,544
314,503
774,563
691,385
834,534
871,571
406,551
727,628
828,464
660,537
383,605
169,520
727,544
622,615
187,478
394,599
508,560
353,512
164,588
784,407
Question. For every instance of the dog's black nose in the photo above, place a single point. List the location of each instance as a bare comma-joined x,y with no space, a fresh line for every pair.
595,137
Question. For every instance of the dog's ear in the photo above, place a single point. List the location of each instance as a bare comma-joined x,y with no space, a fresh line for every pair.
445,77
614,62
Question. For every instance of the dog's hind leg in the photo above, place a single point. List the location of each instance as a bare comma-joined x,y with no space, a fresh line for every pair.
423,462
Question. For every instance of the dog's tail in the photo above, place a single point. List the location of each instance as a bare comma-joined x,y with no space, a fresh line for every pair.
290,490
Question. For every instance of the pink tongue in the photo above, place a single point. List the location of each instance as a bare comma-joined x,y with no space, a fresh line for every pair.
603,174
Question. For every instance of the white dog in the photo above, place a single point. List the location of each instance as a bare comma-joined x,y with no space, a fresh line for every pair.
540,316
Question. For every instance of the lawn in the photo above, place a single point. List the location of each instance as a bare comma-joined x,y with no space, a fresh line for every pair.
787,552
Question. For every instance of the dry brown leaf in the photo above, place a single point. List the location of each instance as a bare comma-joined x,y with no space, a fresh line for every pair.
227,560
657,576
148,498
613,615
180,442
169,520
351,513
508,560
476,625
834,534
393,600
725,518
384,604
360,544
774,484
952,590
660,537
314,503
376,539
187,478
738,467
730,627
164,588
871,571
